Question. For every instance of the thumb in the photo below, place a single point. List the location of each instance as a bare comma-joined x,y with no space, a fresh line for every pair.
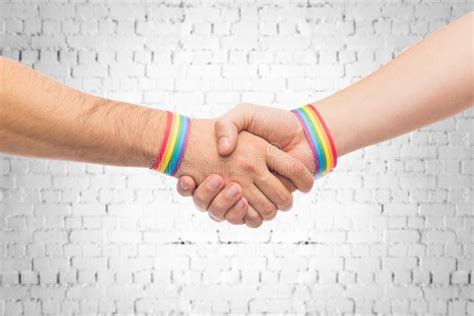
186,186
228,128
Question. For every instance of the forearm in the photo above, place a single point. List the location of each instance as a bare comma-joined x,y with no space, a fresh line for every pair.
40,117
429,82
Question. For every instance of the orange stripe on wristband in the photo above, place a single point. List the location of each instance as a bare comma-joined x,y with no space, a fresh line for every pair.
173,145
318,137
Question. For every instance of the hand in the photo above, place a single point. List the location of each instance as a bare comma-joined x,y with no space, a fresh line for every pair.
211,196
249,165
278,126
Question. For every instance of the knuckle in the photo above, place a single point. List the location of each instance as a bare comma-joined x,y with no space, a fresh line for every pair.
217,211
268,211
251,216
255,166
254,224
216,215
301,173
271,216
199,199
307,181
286,201
298,168
211,216
234,217
219,125
242,106
248,166
309,184
263,177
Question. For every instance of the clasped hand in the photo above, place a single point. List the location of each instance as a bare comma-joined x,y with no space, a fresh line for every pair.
261,156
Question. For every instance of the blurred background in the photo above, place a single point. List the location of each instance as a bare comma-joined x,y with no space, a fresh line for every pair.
389,231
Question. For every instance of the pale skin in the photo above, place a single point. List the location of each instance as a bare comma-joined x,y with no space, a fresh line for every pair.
429,82
40,117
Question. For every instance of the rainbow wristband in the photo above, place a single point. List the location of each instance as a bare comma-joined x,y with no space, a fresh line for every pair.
173,145
319,138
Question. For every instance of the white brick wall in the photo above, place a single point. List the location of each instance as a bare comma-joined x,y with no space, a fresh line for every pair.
390,231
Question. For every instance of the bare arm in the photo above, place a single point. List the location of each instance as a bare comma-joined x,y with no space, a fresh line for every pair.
40,117
430,81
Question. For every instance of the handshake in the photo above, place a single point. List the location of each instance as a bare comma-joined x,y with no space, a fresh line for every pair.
244,166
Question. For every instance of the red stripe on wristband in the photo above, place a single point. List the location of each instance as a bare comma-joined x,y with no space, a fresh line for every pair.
169,120
328,135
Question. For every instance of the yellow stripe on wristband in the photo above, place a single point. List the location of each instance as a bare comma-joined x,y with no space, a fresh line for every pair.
173,145
319,138
324,139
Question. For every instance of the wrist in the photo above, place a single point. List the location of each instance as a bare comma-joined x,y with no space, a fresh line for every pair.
118,133
334,126
174,141
319,139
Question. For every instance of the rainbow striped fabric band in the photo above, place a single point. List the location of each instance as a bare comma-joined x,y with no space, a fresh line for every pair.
319,138
174,144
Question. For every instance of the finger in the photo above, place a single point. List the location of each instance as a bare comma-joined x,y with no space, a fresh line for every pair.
186,186
260,203
225,200
207,190
289,167
213,218
274,190
229,126
252,218
237,213
287,183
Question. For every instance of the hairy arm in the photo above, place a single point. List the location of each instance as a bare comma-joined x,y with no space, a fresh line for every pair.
40,117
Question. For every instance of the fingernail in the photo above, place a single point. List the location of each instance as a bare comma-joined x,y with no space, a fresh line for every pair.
223,142
214,183
183,185
231,192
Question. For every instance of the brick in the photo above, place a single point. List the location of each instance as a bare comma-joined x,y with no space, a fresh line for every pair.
84,292
95,264
435,236
90,70
13,293
437,209
400,263
52,209
50,236
404,293
92,11
16,10
86,236
438,264
443,293
9,278
57,11
402,236
364,237
126,11
49,264
28,277
91,209
433,10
